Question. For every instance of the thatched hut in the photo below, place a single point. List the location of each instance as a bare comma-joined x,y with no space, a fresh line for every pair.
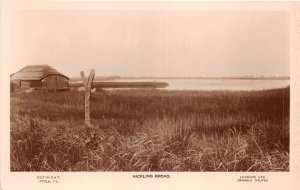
39,76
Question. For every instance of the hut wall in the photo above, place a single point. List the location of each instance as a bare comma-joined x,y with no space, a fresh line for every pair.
56,82
14,87
62,83
35,83
30,83
25,84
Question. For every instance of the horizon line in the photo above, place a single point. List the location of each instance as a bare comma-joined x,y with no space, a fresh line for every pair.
203,77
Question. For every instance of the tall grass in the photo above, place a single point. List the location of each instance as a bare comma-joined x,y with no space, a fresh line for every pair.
151,130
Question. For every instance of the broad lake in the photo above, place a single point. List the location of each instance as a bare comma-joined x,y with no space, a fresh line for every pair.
217,84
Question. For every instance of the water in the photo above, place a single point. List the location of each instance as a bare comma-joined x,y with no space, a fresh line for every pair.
216,84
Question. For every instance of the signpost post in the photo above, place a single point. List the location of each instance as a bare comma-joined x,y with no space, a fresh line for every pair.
88,85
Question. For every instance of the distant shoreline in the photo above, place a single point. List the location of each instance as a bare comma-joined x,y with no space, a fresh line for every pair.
203,78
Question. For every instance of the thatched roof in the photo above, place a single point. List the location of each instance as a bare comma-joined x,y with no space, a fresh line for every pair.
35,72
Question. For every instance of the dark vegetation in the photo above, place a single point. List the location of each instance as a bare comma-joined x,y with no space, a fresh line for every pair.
151,130
98,84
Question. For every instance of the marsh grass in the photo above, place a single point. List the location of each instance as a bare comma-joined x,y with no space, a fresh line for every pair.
151,130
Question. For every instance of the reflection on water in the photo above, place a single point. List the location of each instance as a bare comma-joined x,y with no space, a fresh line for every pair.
216,84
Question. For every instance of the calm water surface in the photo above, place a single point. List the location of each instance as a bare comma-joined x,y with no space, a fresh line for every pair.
216,84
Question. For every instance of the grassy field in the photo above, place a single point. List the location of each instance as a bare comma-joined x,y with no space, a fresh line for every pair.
151,130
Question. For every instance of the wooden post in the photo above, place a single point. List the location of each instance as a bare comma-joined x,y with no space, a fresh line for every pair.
88,85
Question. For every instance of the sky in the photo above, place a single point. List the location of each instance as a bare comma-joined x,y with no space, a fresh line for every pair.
152,42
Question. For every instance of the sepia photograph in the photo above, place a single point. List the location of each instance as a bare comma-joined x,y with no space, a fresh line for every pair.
166,87
170,90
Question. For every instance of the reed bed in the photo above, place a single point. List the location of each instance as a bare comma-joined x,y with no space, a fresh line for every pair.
151,130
